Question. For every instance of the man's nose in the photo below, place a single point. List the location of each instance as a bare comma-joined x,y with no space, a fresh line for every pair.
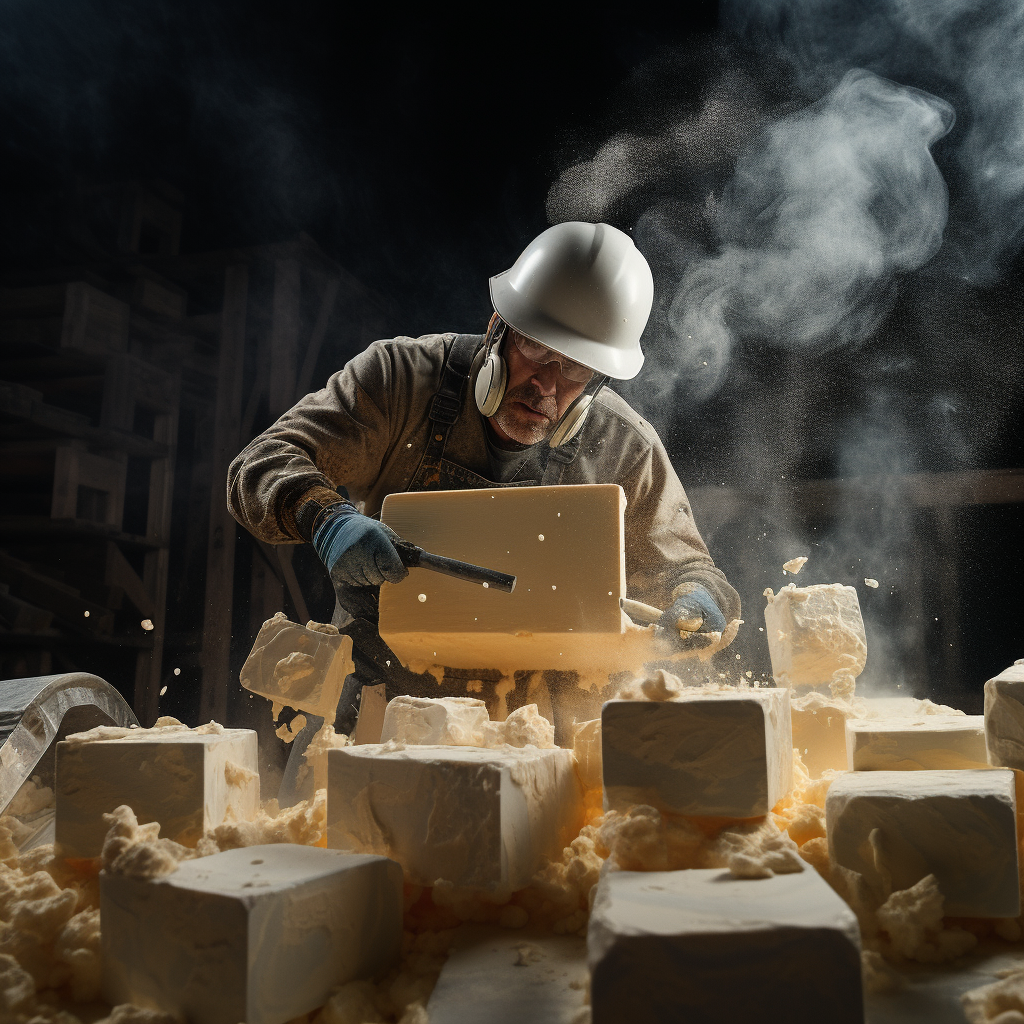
546,377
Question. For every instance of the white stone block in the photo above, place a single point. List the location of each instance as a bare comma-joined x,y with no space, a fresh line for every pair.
960,826
815,634
299,667
914,744
704,947
187,780
726,753
566,547
479,818
260,934
436,721
1004,717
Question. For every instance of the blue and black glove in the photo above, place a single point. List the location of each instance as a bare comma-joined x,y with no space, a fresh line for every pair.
357,550
693,613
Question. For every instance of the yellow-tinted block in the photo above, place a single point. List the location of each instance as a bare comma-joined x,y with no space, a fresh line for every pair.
565,545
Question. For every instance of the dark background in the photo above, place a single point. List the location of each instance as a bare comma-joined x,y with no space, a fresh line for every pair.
419,151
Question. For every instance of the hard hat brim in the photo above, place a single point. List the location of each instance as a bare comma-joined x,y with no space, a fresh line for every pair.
620,364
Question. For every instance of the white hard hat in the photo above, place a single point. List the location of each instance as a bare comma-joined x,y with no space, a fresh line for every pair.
585,291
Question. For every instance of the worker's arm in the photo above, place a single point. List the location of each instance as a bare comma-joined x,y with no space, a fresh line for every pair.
337,436
667,561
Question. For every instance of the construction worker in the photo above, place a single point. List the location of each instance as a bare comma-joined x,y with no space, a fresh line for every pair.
523,404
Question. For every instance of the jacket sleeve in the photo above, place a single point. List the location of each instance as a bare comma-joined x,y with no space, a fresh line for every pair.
664,549
337,436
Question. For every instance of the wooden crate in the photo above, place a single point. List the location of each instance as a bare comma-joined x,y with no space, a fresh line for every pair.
88,487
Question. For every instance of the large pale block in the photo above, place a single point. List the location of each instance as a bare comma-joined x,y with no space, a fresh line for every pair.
299,667
704,947
479,818
260,934
187,780
913,744
437,721
815,634
1004,717
958,825
565,545
726,754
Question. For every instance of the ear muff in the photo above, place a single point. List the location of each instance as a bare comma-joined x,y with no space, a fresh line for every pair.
489,389
572,422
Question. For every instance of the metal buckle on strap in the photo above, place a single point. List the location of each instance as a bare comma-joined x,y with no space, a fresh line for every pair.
444,409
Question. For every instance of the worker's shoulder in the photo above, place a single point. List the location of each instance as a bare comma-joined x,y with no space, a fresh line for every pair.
428,348
611,413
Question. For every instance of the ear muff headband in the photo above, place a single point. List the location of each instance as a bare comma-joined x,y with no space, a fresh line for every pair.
489,389
575,416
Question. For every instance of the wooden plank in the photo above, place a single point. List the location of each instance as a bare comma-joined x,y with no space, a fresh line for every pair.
215,655
284,335
78,474
316,339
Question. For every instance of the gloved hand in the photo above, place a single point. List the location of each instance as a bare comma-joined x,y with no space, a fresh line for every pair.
693,612
357,550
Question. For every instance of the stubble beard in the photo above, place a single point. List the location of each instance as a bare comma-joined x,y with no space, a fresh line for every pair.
514,421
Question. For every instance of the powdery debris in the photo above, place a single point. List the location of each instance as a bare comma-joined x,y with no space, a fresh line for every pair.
642,839
1002,1001
526,726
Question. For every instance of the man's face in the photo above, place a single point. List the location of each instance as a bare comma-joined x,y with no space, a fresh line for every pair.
536,396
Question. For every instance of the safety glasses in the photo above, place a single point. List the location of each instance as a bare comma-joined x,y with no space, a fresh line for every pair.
538,353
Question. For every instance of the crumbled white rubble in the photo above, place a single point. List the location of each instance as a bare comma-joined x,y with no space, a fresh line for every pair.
794,565
188,780
462,721
816,636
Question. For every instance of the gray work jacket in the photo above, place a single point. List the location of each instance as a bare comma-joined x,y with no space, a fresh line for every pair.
369,427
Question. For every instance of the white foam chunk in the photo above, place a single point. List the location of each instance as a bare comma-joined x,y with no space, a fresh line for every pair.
815,634
260,934
445,721
299,667
479,818
189,781
913,744
1004,717
819,723
723,754
702,946
958,825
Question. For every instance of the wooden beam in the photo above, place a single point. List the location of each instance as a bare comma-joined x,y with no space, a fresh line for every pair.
215,655
316,339
284,335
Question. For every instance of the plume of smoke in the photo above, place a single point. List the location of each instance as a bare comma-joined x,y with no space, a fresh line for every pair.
970,53
823,210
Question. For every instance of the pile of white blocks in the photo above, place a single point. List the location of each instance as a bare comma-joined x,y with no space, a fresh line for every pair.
187,780
261,934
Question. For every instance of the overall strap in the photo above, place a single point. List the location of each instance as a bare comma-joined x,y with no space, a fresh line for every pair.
445,407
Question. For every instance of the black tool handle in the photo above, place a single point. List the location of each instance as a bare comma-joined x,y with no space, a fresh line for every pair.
413,556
